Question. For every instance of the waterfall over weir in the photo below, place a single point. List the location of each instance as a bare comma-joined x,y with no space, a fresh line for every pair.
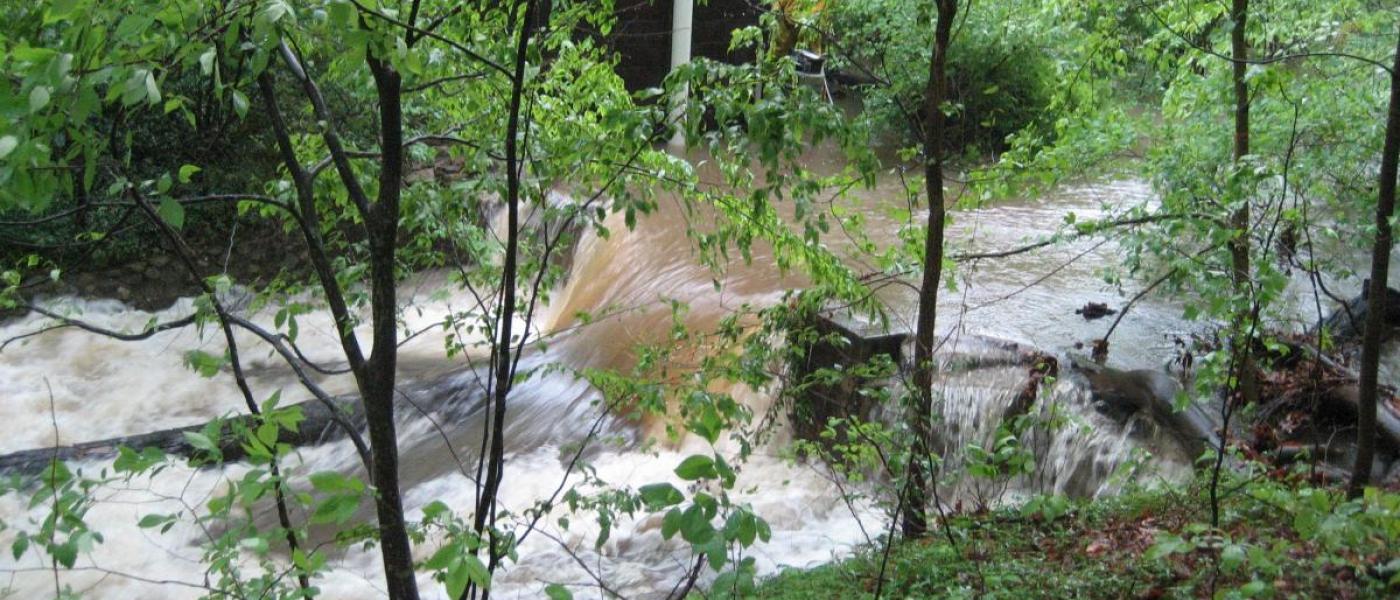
102,388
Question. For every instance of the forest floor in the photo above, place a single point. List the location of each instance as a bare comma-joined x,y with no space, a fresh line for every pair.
1278,537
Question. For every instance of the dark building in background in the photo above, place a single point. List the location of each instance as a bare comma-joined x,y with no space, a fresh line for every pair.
642,36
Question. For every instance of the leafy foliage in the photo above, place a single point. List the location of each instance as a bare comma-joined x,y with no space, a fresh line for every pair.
177,119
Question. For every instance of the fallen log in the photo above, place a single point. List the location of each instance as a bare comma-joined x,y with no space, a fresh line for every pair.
840,344
319,425
1345,323
1348,395
1387,424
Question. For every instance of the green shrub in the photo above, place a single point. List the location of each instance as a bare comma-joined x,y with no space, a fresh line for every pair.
1000,76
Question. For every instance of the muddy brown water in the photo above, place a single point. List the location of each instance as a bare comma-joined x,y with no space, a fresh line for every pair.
103,388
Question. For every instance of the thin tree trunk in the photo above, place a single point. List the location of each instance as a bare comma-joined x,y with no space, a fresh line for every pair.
1375,314
377,384
1241,329
495,467
187,256
375,376
1239,220
915,516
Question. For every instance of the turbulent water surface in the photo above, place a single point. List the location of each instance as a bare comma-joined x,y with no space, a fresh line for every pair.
68,386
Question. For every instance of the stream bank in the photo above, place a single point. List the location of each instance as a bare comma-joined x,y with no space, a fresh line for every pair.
1135,545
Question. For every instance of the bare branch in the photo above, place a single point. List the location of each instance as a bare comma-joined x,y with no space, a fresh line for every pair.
429,33
64,322
1092,229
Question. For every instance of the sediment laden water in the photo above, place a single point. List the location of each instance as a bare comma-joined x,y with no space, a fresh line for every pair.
69,386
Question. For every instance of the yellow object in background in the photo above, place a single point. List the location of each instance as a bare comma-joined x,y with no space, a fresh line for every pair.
792,15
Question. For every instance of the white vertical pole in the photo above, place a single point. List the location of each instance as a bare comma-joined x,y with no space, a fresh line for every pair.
682,15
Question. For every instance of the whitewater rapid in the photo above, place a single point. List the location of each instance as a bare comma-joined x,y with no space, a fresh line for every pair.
70,386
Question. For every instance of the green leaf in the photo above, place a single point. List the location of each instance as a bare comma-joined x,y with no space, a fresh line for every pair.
38,98
333,482
558,592
172,213
270,405
477,571
456,579
696,467
256,545
341,13
443,558
1232,556
336,509
714,551
133,25
66,553
152,90
8,144
435,509
765,532
206,62
32,55
188,171
695,526
278,10
660,495
726,473
150,521
240,104
204,363
18,548
748,529
671,523
267,434
200,441
467,568
62,8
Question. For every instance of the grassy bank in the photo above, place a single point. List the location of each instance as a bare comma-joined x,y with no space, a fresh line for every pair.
1277,538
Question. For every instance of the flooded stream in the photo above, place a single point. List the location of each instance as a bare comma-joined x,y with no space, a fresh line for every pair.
70,386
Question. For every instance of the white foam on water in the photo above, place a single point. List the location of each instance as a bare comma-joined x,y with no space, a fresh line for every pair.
104,388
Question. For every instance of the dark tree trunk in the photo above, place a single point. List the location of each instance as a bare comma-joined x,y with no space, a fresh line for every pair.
377,384
1380,272
375,376
915,516
1239,220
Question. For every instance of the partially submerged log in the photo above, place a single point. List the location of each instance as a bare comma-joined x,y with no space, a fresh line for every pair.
1041,367
1153,393
1387,424
319,426
1345,323
1338,402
